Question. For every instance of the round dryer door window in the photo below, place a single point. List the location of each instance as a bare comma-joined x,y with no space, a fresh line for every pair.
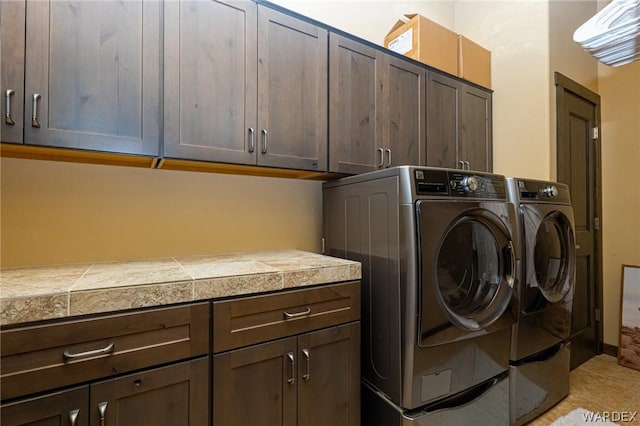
551,256
470,272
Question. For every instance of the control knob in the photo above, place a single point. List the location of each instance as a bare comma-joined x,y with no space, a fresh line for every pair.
550,191
469,183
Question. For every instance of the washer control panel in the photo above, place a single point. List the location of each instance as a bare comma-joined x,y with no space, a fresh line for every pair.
461,183
540,191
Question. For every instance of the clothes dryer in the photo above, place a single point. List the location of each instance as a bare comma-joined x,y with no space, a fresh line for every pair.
439,265
539,359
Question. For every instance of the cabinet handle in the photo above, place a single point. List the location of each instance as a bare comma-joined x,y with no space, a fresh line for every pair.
389,157
7,107
34,110
381,151
468,165
288,315
109,348
102,408
252,139
73,417
291,380
264,141
306,375
461,164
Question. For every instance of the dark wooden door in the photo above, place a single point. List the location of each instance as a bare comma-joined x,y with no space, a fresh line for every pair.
292,92
174,395
404,113
579,167
256,385
67,408
93,74
12,33
475,137
443,115
355,121
329,377
211,77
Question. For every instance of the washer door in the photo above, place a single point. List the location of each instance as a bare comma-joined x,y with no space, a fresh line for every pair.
468,272
550,257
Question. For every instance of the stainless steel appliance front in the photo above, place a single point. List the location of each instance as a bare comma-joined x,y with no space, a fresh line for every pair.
438,265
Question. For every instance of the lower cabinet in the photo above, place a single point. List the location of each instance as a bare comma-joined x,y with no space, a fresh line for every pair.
174,395
312,379
68,407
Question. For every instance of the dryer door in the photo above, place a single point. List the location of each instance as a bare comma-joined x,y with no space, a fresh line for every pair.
467,270
549,255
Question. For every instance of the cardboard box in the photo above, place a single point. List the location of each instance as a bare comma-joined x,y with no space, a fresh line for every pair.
474,62
426,41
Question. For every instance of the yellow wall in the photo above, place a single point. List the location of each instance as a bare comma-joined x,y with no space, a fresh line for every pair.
517,35
62,212
620,95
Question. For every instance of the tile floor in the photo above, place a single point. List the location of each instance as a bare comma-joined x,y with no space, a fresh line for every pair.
598,385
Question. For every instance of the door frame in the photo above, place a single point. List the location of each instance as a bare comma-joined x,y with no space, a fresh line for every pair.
562,84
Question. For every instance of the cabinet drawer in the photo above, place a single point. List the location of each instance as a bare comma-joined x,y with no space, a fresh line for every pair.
48,356
250,320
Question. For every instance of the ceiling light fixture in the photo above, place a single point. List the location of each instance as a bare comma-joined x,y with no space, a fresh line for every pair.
612,35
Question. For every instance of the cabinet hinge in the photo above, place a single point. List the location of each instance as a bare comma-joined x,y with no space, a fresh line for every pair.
598,316
595,133
596,223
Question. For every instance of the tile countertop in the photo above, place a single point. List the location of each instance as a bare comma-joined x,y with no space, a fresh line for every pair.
34,294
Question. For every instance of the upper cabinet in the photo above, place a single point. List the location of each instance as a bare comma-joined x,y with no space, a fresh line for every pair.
228,81
211,77
404,124
244,84
459,124
92,75
12,33
355,118
377,108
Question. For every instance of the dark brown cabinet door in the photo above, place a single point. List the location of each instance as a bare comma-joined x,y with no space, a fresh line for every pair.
404,112
459,124
476,128
173,395
93,74
12,33
210,65
329,377
292,92
244,84
355,123
443,111
309,380
256,385
67,408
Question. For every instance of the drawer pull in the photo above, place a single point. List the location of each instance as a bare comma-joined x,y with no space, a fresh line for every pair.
264,141
73,417
34,112
7,107
252,140
107,349
102,410
292,378
288,315
307,374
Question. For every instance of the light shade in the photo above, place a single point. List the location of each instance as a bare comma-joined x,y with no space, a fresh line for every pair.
612,35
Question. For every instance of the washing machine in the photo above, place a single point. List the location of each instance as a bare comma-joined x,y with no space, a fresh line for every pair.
540,349
439,268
